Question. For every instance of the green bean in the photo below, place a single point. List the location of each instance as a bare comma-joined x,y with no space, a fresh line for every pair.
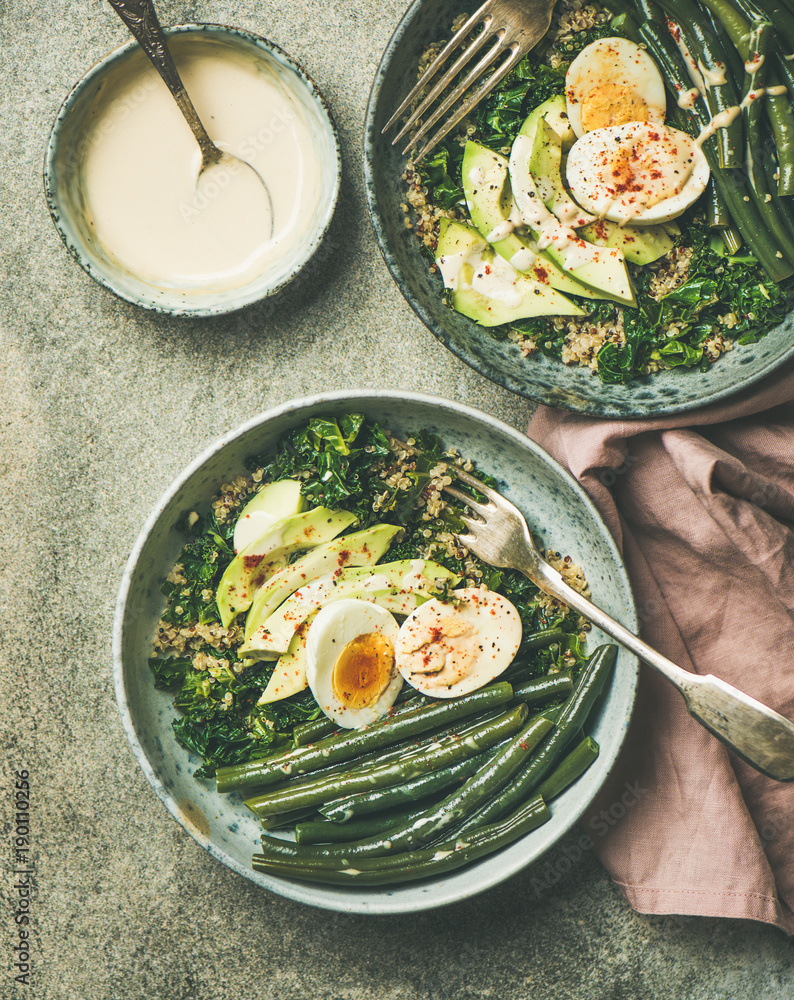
573,716
777,14
282,820
717,211
719,95
447,751
412,865
378,757
737,26
778,106
488,780
742,203
544,639
374,800
775,213
540,689
734,63
310,732
325,831
569,769
391,729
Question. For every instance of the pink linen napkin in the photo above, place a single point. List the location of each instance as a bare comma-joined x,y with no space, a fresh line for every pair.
702,507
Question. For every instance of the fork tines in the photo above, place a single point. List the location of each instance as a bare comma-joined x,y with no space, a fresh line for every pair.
507,39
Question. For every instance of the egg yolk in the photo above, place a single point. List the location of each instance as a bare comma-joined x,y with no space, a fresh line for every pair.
611,104
363,670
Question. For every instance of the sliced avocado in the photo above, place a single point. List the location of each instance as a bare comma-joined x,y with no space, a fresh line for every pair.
486,184
544,164
362,548
412,577
289,674
257,561
640,244
555,113
600,267
485,287
272,503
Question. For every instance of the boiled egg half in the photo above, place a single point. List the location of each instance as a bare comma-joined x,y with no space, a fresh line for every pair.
449,648
351,662
640,172
613,81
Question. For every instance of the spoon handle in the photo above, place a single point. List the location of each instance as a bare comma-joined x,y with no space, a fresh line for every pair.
141,18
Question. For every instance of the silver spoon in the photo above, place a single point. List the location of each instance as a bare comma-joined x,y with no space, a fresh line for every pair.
141,18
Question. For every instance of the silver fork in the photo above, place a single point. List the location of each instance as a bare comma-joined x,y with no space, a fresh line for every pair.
513,26
500,536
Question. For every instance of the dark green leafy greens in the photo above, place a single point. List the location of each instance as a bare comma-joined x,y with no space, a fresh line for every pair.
342,462
716,286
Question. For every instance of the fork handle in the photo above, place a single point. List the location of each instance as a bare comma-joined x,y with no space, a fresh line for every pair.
760,736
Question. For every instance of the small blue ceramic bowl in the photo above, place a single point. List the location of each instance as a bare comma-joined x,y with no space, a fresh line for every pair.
557,509
66,150
539,377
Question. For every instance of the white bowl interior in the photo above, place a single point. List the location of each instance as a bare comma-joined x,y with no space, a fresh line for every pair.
555,506
71,134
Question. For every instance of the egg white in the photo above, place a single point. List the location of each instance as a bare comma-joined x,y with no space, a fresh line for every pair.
333,628
639,172
489,634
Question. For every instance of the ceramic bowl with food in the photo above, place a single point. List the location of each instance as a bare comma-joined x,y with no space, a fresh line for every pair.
130,199
556,508
718,359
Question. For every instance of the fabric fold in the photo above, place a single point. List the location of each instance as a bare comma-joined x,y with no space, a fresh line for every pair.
702,507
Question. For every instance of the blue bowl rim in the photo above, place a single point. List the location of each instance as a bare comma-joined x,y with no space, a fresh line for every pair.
50,170
296,891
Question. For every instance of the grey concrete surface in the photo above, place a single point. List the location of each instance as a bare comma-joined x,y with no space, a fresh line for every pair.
100,406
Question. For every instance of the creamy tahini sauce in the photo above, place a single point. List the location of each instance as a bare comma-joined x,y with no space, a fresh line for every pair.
139,178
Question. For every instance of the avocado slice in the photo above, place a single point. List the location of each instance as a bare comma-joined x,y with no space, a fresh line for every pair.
554,112
544,164
600,267
257,561
413,577
289,674
485,287
272,503
362,548
640,244
486,185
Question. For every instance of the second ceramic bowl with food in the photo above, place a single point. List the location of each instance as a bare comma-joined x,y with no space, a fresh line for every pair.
128,194
303,650
562,239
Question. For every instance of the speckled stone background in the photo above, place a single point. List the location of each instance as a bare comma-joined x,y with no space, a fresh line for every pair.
100,406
